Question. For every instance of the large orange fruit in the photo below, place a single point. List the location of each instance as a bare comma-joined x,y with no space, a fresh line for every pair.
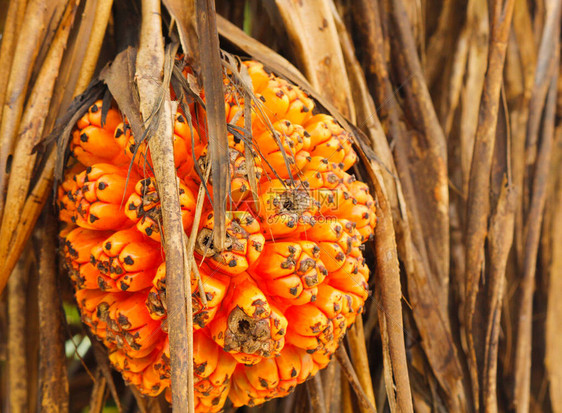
292,278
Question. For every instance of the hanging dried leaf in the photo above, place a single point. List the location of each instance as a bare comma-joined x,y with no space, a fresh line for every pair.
52,363
211,72
311,28
553,337
154,67
30,132
183,13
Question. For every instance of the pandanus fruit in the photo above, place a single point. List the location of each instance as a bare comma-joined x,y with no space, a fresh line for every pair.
272,306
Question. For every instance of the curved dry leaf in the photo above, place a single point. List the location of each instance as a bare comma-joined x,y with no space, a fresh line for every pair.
30,132
183,12
553,267
421,160
27,49
17,372
12,26
311,28
523,350
53,373
211,71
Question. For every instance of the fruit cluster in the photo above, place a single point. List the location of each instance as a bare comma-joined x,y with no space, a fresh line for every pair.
277,299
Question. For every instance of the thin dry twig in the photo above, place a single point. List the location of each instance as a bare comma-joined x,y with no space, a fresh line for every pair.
31,210
523,61
346,405
102,360
190,243
349,372
546,63
330,380
388,381
477,32
98,394
145,404
315,393
360,357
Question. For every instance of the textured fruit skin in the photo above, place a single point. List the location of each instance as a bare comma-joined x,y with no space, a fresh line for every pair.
143,207
249,326
290,271
98,193
244,242
214,283
271,308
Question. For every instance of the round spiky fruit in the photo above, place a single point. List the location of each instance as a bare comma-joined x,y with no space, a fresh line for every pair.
271,306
